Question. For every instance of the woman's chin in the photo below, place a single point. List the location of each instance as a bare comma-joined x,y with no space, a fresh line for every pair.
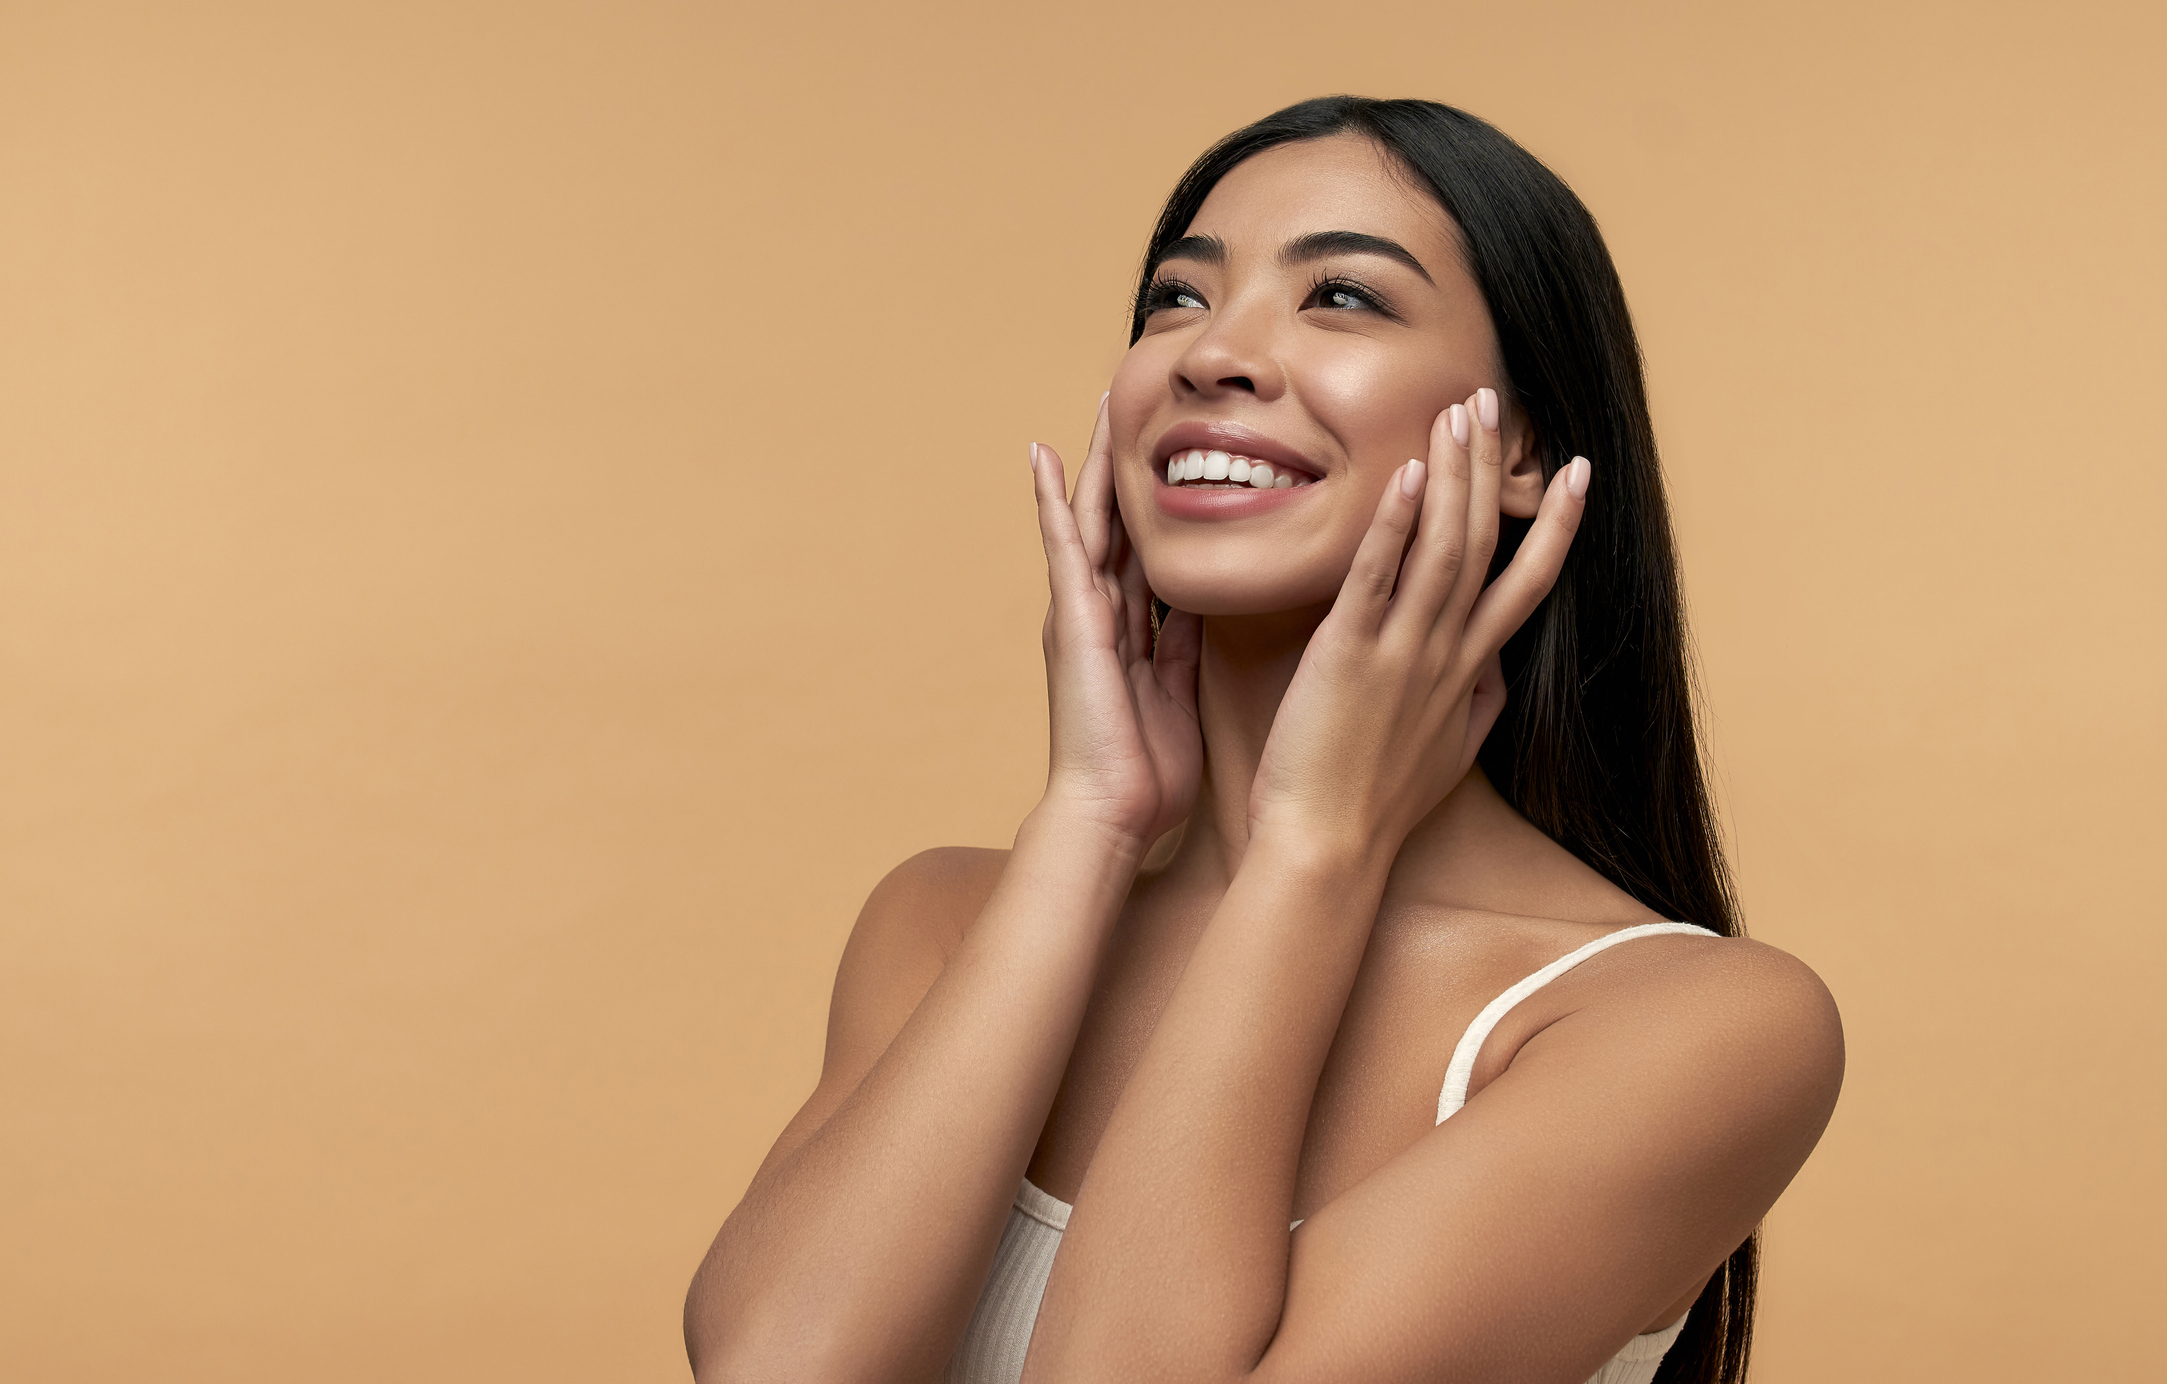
1228,600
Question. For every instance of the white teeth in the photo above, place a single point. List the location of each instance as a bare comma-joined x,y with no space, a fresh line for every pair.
1196,464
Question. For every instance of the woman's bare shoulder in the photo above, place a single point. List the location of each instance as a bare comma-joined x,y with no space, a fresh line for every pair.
914,919
1737,983
1729,1016
1770,998
931,899
911,923
1721,1016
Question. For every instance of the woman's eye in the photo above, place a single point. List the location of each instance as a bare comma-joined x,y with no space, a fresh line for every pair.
1173,295
1341,296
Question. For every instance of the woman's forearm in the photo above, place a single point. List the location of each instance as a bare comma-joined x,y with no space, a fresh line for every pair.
858,1255
1174,1265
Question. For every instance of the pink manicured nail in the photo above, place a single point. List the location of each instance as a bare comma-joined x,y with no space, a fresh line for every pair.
1458,417
1411,479
1486,407
1576,478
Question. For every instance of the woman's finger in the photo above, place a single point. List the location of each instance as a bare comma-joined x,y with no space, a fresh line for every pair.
1094,503
1128,572
1433,563
1485,483
1367,591
1505,606
1068,572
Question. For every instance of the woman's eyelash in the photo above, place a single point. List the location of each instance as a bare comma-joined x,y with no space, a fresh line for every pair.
1168,293
1324,289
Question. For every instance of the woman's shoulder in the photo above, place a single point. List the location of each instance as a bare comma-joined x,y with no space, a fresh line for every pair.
1484,920
1738,986
1633,977
930,900
1703,1016
1762,1003
911,923
1732,1050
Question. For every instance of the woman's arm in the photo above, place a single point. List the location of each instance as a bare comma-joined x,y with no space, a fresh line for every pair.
864,1239
1629,1147
860,1246
1533,1233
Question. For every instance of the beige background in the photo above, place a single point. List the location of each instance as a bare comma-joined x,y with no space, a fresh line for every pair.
512,517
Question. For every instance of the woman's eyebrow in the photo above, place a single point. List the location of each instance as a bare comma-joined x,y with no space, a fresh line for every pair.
1205,249
1303,249
1319,245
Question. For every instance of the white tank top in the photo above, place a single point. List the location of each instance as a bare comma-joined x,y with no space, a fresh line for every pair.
993,1346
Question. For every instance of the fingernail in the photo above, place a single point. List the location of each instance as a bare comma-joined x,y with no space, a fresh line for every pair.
1411,479
1458,413
1031,452
1576,478
1486,406
1104,397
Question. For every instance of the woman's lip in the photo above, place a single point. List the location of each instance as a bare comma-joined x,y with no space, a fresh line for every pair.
1222,502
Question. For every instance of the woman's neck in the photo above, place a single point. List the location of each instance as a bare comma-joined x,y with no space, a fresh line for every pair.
1247,663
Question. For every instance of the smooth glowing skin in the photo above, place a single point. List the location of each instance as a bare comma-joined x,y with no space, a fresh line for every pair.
1350,389
1214,986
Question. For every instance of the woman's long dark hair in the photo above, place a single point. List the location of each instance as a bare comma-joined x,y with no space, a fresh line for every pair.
1597,743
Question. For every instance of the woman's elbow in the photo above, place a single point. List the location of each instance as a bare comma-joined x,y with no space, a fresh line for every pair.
732,1341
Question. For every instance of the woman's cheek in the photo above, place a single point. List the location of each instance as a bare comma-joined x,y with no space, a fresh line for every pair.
1339,385
1379,407
1137,384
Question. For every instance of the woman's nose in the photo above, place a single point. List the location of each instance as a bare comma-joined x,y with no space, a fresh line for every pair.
1232,354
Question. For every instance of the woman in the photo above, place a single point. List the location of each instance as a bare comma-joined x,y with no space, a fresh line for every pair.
1401,793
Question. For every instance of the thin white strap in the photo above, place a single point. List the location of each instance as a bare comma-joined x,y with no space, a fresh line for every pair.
1463,1057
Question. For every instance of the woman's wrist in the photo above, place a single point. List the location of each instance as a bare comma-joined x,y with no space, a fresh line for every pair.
1353,861
1088,824
1083,833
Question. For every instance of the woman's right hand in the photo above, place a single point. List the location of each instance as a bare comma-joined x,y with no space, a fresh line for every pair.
1126,751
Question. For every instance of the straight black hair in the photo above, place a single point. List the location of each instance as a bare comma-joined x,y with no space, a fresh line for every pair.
1597,744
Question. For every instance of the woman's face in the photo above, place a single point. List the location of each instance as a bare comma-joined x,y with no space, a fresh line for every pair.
1316,318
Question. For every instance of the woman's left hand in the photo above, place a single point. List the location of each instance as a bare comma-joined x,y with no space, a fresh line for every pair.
1401,682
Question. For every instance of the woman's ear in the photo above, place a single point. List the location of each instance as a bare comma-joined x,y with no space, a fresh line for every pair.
1520,495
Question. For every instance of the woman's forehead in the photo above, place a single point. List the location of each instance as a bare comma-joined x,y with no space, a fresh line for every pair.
1340,183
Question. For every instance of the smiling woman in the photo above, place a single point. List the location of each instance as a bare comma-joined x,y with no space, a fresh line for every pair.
1371,744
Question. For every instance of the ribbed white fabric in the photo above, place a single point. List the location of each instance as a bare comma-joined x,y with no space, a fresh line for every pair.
1000,1331
999,1335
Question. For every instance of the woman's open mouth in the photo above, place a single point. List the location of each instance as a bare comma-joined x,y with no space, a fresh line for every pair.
1200,469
